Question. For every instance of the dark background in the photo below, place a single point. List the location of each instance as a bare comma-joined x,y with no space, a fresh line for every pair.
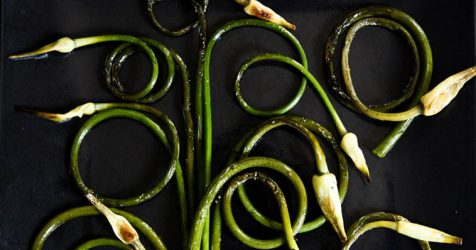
429,177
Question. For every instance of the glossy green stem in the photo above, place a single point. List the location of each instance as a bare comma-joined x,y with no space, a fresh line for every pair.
216,226
283,209
380,113
177,32
204,173
130,114
114,64
78,212
305,72
99,242
80,42
189,130
231,171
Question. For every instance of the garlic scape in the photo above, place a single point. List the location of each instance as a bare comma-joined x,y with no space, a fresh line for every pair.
400,225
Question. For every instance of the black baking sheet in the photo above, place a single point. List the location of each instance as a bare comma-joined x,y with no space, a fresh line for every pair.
429,177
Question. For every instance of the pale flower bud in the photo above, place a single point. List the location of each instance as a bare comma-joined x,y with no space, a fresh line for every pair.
257,9
62,45
327,194
85,109
421,232
404,227
440,96
350,145
122,228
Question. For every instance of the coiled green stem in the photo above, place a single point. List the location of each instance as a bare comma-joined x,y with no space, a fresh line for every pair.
178,32
283,208
137,116
392,19
102,242
234,169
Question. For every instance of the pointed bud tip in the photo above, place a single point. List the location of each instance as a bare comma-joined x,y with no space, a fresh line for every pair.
367,176
48,116
350,145
289,26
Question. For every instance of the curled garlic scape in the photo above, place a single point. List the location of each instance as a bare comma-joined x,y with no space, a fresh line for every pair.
122,228
257,9
402,226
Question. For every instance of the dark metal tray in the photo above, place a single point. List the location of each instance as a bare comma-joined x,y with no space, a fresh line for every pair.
429,177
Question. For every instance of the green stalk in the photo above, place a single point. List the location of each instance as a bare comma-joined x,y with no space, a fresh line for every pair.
283,208
302,68
175,33
216,227
231,171
204,173
102,242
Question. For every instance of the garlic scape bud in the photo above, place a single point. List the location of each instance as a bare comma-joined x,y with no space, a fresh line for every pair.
121,226
85,109
65,45
257,9
440,96
327,194
421,232
350,145
62,45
